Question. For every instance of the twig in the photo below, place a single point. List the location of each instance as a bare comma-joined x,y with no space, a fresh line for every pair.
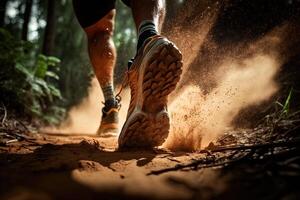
212,163
291,130
5,113
19,137
196,164
24,126
174,160
293,143
24,137
11,141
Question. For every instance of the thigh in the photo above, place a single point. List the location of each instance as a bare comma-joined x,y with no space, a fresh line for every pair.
88,12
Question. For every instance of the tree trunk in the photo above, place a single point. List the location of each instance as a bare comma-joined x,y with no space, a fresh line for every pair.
27,14
3,4
49,36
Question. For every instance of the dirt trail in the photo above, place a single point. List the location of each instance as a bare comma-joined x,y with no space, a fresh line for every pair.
86,167
66,166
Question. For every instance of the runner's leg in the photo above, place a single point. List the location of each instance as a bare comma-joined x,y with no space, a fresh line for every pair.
97,20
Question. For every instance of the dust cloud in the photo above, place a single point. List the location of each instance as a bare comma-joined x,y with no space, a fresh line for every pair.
85,118
198,119
189,30
244,77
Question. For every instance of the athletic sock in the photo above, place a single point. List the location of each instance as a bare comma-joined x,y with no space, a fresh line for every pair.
109,96
146,29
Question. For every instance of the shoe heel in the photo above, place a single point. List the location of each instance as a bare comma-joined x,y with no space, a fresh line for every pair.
145,130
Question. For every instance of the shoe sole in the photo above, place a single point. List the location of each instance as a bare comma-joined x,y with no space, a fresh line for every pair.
108,130
148,125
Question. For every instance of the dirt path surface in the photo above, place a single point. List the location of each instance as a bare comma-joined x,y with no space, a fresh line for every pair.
87,167
83,167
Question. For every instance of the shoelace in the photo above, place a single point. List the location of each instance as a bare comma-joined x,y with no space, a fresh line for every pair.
125,82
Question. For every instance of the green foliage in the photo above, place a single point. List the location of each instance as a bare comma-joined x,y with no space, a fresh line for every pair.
35,84
285,107
71,47
28,83
125,39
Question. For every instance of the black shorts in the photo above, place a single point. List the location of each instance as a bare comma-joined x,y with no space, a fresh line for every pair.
88,12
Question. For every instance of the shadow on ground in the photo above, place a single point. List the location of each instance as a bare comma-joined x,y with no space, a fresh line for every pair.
47,172
84,168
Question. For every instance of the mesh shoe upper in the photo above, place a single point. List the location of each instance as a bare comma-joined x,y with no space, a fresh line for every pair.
110,119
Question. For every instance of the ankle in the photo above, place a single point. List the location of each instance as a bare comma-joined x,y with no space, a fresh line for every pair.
146,29
108,93
111,103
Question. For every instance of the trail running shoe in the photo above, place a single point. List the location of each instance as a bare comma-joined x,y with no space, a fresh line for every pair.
152,77
109,122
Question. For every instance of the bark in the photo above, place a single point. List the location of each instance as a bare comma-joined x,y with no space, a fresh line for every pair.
49,37
27,14
3,4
